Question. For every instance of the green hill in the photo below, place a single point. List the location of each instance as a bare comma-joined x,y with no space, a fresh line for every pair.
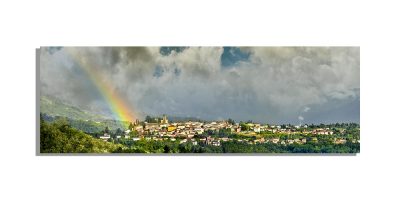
59,137
52,109
56,107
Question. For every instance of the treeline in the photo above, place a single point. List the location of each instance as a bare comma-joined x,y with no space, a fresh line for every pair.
237,147
89,126
335,125
150,146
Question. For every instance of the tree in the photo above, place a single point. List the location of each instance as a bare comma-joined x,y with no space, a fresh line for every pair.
231,121
167,149
244,127
133,134
130,126
149,119
59,137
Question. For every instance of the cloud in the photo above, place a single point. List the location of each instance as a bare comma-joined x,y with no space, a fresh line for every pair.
266,84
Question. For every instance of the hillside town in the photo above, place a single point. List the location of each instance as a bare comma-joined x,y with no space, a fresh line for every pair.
216,132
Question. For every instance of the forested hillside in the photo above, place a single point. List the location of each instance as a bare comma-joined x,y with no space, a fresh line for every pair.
56,107
60,137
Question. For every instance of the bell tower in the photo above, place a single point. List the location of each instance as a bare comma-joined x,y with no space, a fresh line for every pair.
164,120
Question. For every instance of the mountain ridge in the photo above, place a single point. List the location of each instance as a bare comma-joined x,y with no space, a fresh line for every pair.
55,107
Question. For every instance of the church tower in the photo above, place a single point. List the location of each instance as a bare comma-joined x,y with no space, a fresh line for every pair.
164,120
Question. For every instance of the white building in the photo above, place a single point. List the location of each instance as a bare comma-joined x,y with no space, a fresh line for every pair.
199,130
105,136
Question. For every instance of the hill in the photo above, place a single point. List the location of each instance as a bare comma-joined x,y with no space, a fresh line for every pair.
52,108
55,107
58,137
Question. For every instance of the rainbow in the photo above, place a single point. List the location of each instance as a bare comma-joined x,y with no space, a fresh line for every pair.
117,105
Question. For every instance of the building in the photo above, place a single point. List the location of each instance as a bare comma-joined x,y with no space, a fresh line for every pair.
257,129
151,126
139,129
164,120
275,140
171,128
183,141
199,130
105,136
216,143
238,129
339,141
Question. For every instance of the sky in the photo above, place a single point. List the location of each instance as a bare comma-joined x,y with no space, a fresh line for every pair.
296,85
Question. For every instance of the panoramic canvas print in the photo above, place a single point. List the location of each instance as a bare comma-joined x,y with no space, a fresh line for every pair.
199,100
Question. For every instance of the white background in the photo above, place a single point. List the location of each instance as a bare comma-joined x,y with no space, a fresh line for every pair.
372,25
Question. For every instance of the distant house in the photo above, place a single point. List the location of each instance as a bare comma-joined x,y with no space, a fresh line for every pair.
151,126
171,128
209,140
181,127
139,128
199,130
257,129
238,129
183,141
340,141
215,143
275,140
225,139
105,136
190,136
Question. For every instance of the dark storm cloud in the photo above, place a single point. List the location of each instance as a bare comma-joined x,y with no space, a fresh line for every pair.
165,51
266,84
